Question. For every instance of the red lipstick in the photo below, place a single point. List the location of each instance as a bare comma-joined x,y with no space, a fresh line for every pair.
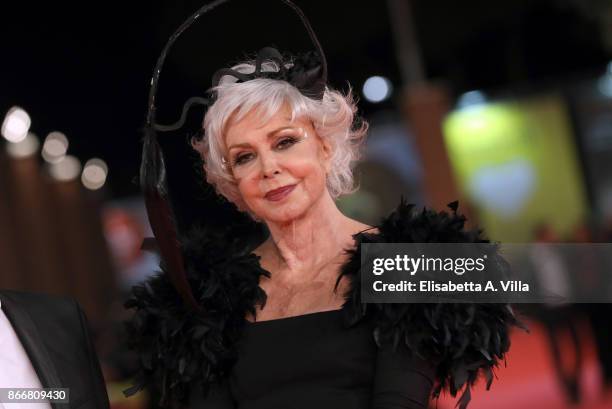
280,193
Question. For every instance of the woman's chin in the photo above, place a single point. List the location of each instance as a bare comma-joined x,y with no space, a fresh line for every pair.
283,214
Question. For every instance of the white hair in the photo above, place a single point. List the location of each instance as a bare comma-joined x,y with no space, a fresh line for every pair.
333,119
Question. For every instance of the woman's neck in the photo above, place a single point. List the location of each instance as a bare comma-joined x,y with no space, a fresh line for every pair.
304,246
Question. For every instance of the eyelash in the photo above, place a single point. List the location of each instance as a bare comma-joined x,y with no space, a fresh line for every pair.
240,159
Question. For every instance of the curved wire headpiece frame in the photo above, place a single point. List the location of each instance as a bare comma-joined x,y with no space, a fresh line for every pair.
150,119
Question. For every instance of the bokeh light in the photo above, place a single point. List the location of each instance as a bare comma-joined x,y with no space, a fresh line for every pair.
66,169
55,147
16,125
28,146
94,174
377,89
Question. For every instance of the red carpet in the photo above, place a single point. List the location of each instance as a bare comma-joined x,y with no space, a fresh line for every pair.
529,379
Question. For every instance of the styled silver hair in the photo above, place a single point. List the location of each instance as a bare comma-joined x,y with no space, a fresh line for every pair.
333,118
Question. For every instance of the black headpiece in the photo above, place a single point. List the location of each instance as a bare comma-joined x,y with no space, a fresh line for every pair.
307,72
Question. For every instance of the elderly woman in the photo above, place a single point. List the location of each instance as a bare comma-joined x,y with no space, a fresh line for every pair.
283,158
281,324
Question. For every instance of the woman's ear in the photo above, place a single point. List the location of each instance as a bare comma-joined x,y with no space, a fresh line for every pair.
326,153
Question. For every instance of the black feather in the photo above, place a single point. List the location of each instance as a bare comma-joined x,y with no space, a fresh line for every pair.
180,349
458,336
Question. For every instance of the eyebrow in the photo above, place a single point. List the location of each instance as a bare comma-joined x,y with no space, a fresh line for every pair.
269,135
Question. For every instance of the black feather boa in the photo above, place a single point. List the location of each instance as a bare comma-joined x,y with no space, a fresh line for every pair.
180,349
463,339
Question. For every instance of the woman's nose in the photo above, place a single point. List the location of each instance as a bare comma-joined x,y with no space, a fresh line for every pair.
269,164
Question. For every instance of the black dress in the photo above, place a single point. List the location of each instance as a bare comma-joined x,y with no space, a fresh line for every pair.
314,361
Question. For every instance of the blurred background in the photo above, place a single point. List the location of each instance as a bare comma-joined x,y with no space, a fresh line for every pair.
505,106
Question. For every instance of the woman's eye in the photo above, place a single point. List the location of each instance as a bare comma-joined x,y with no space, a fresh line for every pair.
282,144
242,158
286,143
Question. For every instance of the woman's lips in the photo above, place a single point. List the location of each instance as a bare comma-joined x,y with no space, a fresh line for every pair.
280,193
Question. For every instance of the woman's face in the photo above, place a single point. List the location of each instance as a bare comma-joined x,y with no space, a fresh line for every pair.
280,167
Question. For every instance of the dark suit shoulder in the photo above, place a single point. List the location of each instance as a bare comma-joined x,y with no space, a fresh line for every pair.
61,327
58,321
58,304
